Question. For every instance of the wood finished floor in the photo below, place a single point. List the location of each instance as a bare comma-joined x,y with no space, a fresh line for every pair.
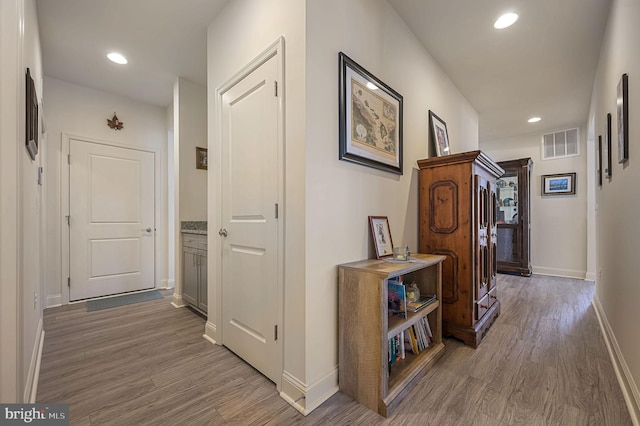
544,362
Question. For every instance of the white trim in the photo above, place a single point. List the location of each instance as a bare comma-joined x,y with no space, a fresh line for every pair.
64,204
177,301
556,272
210,332
167,283
306,398
276,49
627,385
31,385
590,276
54,300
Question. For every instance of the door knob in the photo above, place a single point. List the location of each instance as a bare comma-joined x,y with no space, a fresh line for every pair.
222,232
147,230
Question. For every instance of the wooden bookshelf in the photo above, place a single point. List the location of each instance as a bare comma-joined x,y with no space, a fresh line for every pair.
365,329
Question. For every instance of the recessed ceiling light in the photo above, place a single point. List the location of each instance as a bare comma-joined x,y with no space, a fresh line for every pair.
534,119
505,20
117,58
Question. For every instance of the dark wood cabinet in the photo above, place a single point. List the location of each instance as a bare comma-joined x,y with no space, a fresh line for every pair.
514,243
458,219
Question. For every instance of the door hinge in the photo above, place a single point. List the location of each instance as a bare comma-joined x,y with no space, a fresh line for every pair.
68,219
68,158
276,210
275,332
275,89
69,282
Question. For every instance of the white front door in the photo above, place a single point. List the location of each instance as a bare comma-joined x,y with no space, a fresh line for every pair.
111,220
250,290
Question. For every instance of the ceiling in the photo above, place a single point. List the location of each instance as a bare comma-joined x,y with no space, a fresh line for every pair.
544,65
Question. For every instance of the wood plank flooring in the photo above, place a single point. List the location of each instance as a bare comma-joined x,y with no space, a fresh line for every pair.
544,362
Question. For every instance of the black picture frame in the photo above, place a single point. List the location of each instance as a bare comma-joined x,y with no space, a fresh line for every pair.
439,135
607,142
370,119
599,161
622,106
381,236
202,161
559,184
31,117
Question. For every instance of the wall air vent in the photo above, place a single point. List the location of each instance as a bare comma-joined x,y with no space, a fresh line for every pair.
560,144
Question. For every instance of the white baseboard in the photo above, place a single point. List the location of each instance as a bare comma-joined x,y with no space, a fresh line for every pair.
555,272
54,300
306,398
167,284
590,276
31,386
625,379
177,301
210,332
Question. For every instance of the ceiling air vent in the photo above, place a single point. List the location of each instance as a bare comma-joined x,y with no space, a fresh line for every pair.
563,143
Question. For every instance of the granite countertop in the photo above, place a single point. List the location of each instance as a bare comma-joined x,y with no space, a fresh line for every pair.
194,227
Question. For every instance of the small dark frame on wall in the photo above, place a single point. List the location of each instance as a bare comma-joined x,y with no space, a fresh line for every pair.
202,161
559,184
622,105
599,161
381,236
370,119
439,134
607,147
31,117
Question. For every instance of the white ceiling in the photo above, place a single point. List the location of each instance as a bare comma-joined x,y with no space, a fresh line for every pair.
161,39
544,65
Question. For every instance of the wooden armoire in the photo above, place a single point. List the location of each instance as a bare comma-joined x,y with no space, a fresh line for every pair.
458,219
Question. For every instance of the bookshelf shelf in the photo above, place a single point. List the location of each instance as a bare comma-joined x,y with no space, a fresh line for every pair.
365,330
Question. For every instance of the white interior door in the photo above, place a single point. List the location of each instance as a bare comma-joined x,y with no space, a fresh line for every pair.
250,295
112,220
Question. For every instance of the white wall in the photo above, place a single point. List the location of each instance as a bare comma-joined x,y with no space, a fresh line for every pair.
558,223
618,204
192,116
341,195
21,234
83,112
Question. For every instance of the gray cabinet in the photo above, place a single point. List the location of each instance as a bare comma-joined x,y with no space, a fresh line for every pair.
194,270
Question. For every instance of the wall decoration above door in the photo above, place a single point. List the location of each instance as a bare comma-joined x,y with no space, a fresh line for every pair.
370,119
114,123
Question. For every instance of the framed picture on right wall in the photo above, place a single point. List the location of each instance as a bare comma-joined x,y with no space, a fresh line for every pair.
622,106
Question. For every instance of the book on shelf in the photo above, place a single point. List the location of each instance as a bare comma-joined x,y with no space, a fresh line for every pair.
397,299
424,301
410,340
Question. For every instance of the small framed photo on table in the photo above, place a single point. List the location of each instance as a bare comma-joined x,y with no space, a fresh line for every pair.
559,184
381,235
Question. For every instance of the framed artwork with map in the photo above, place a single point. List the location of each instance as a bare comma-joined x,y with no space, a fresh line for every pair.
370,119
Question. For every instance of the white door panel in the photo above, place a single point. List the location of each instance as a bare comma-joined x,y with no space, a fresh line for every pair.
249,195
112,220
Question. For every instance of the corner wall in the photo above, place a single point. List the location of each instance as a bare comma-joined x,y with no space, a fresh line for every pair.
558,223
192,116
618,204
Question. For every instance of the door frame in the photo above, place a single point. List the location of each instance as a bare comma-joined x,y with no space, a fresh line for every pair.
213,328
65,235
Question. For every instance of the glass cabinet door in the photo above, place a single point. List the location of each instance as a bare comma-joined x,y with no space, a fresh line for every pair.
507,187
